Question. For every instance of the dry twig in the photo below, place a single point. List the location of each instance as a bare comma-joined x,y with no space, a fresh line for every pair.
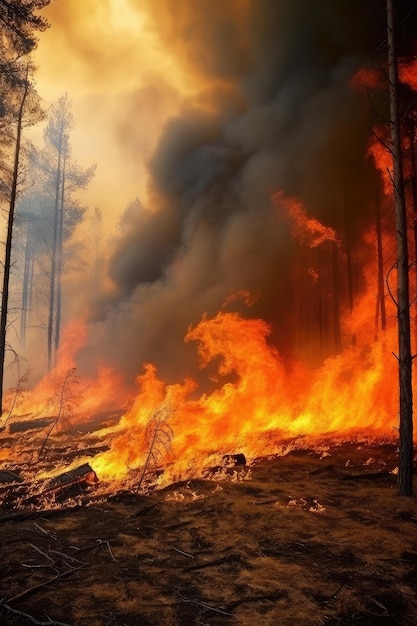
50,622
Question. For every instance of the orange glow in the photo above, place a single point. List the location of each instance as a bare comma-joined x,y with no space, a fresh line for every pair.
366,78
382,158
408,74
306,230
83,398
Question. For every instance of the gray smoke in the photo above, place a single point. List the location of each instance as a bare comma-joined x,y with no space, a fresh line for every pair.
281,116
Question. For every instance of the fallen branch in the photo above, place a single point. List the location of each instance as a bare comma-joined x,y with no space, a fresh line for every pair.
232,558
48,558
27,592
106,543
67,556
50,622
190,556
49,533
206,606
271,597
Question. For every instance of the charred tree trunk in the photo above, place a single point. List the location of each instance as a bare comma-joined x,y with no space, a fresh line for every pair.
405,477
9,237
414,212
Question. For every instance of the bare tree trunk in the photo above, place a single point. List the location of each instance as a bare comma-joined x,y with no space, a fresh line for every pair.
405,476
59,251
26,286
9,237
52,284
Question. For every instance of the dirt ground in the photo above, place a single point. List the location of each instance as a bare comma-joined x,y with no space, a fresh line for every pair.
293,540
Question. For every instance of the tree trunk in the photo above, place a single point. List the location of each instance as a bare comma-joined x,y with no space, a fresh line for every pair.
27,271
414,211
52,284
9,237
59,251
405,476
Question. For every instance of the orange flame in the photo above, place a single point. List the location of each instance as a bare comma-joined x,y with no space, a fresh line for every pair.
84,397
260,400
306,230
265,402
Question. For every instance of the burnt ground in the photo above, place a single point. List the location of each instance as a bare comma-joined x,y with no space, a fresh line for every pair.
293,540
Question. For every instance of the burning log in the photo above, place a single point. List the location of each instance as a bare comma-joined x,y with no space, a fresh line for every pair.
84,476
69,484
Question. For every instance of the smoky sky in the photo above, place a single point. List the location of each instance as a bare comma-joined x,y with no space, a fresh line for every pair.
275,112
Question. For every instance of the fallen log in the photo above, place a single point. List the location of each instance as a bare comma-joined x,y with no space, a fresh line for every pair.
7,477
84,475
35,424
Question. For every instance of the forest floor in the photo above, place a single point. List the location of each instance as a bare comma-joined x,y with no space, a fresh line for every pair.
301,539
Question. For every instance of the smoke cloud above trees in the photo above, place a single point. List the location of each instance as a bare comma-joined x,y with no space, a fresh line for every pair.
213,108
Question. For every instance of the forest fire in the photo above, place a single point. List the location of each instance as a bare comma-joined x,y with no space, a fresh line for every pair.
208,312
260,403
251,307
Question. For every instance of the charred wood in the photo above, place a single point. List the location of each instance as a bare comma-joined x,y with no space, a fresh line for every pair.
84,474
22,426
9,477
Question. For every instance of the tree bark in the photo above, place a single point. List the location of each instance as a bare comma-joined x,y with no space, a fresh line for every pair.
26,286
9,237
405,476
52,284
59,253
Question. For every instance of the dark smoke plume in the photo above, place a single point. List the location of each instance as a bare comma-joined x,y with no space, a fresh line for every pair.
277,113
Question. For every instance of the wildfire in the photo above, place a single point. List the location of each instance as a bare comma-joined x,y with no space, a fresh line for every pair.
259,401
61,390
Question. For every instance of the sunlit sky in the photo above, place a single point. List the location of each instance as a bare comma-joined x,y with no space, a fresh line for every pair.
123,84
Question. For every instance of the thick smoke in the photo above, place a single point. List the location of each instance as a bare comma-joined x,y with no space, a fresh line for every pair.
275,112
